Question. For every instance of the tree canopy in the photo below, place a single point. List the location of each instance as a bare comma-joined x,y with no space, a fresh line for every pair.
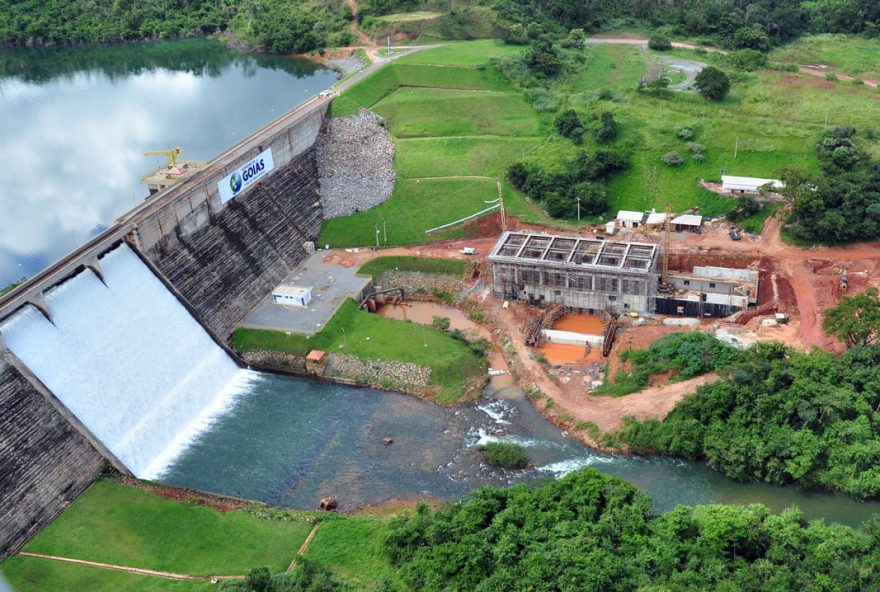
855,320
712,83
592,532
781,416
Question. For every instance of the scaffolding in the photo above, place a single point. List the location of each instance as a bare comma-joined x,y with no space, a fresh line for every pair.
579,273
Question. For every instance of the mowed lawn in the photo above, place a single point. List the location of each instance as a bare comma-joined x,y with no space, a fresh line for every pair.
432,112
369,336
111,523
423,157
451,114
29,574
415,206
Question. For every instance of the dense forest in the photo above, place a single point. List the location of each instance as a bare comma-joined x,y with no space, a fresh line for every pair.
280,26
593,532
781,416
302,25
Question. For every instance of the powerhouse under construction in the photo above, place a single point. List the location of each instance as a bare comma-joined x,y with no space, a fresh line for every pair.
594,274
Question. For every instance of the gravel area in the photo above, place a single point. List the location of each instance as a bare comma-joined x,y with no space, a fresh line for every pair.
355,163
400,376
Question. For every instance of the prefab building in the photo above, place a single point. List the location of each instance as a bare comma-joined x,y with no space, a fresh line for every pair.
590,274
292,295
629,219
733,184
687,223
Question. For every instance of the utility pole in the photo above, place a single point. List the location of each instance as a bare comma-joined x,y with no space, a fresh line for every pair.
579,207
377,235
736,147
344,337
384,232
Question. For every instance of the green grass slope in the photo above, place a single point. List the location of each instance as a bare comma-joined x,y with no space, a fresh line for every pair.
126,526
370,336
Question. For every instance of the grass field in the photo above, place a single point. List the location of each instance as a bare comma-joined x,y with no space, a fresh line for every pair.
770,119
856,56
450,115
352,547
126,526
369,336
415,206
28,574
115,523
430,265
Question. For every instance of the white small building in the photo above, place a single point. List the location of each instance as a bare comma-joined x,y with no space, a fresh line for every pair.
292,295
629,219
657,219
687,223
733,184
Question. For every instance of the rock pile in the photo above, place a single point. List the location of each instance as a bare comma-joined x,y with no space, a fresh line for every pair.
425,283
355,163
399,376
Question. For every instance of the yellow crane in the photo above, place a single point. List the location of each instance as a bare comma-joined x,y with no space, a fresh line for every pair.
171,155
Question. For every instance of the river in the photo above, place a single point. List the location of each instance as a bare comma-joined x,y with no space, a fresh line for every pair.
290,441
75,122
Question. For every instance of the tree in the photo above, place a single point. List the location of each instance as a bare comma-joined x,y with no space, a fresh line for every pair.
712,83
855,319
575,39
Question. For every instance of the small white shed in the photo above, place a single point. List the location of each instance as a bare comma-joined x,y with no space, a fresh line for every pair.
292,295
630,219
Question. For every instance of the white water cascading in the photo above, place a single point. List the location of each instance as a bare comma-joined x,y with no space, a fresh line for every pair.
128,360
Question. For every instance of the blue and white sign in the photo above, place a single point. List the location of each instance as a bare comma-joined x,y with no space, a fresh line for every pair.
245,176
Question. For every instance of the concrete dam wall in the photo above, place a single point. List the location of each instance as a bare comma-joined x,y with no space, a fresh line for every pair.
45,463
217,258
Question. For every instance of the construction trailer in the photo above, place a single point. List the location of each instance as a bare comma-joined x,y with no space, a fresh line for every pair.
709,292
589,274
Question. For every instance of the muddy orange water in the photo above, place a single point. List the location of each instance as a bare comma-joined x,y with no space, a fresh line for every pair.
424,312
558,353
579,323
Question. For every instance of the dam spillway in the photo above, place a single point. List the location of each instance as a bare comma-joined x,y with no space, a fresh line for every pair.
128,360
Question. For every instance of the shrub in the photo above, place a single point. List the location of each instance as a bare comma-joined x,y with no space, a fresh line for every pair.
831,77
685,133
440,323
673,158
659,43
858,82
607,130
575,39
699,157
695,147
748,59
752,37
505,455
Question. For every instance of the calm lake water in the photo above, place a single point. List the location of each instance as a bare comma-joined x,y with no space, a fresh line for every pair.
290,442
75,122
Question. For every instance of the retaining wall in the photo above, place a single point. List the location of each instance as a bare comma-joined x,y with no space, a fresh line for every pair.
45,463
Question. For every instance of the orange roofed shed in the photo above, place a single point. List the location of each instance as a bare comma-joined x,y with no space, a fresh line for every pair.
315,356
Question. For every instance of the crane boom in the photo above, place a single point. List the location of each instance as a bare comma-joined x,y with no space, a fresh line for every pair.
171,155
